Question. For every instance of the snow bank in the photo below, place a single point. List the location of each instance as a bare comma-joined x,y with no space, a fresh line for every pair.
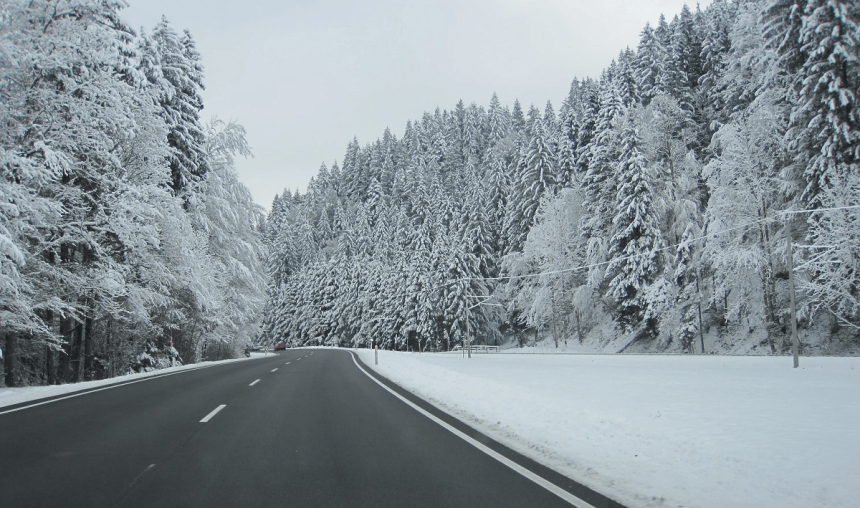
10,396
706,431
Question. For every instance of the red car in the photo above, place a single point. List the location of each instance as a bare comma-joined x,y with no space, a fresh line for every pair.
280,347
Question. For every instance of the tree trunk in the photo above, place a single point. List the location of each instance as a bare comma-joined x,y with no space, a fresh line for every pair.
77,350
109,352
88,349
66,331
554,330
10,360
769,286
50,370
699,304
578,326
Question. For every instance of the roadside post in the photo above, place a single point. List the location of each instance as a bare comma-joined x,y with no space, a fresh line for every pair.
375,354
468,337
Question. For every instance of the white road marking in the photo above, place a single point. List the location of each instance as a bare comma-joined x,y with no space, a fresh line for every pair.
117,385
141,474
558,491
287,363
255,382
273,370
212,414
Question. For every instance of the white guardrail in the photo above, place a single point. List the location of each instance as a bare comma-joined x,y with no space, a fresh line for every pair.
479,349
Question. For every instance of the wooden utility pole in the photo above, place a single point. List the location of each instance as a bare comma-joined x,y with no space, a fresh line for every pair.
795,343
468,339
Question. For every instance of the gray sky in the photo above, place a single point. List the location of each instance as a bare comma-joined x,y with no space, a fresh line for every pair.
306,76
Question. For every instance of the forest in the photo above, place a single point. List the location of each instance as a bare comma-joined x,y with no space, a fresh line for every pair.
126,240
653,212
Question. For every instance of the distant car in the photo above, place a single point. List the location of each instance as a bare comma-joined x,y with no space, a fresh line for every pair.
280,347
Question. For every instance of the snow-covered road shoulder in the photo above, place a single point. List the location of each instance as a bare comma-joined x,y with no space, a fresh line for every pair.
661,430
12,396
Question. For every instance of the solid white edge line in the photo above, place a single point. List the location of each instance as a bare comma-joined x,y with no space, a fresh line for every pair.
558,491
117,385
255,382
213,413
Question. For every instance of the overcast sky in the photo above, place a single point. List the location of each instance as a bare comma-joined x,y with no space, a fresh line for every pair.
306,76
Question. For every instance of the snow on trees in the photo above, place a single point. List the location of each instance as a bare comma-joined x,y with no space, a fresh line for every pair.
636,242
97,251
832,266
653,201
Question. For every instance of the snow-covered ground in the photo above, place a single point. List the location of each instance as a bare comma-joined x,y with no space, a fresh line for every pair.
10,396
691,431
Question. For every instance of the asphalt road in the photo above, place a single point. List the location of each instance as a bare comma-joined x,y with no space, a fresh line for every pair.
303,428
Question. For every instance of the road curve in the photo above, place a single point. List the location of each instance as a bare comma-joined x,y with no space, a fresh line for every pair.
303,428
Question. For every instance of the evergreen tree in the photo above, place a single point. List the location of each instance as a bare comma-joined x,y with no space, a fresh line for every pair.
181,103
827,120
538,173
599,181
634,248
518,119
783,22
499,124
648,67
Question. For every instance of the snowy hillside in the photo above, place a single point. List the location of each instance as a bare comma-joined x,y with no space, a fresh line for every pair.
654,210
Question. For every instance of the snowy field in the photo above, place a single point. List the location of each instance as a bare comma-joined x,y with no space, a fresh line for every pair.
9,396
691,431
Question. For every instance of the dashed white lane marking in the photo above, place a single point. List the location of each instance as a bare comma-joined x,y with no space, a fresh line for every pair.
212,414
298,359
141,474
287,363
558,491
273,370
255,382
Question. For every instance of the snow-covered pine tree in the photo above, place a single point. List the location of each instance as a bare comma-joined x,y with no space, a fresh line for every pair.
181,103
650,57
538,172
782,22
827,119
599,182
568,131
518,119
499,122
636,242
